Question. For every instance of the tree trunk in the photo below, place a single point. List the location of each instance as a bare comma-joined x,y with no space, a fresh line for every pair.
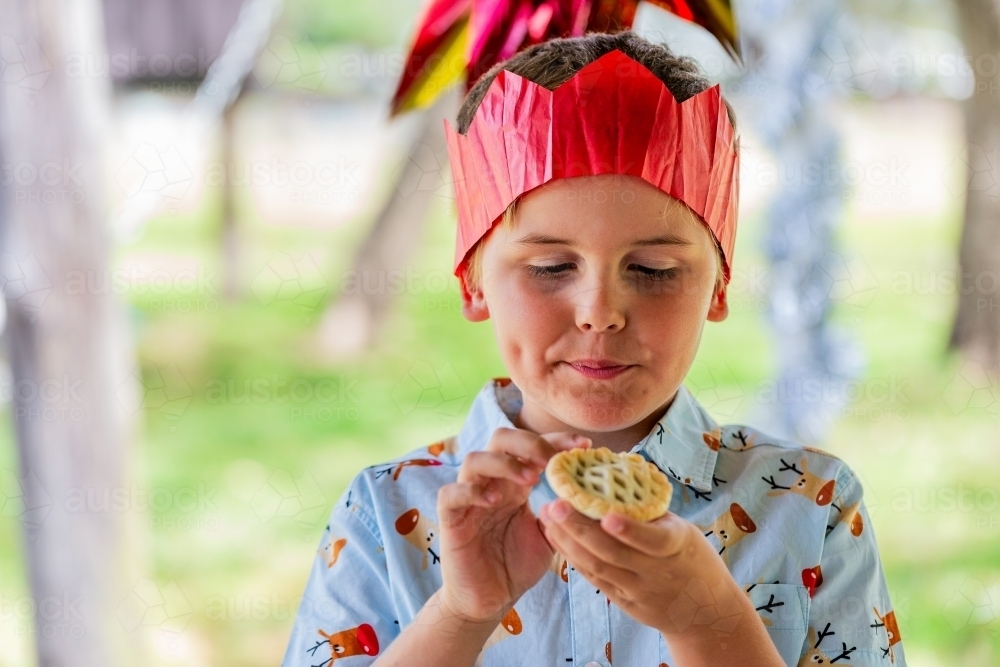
976,330
67,340
352,321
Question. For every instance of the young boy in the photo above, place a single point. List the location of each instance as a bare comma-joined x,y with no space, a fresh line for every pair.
596,229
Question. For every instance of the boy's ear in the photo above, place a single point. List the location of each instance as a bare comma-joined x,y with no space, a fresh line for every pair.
474,306
719,309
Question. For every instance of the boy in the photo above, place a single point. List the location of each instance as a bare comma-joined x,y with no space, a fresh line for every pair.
574,241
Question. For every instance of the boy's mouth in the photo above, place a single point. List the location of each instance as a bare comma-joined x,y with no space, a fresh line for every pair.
599,368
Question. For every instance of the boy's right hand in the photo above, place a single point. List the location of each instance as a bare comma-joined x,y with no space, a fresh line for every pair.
492,551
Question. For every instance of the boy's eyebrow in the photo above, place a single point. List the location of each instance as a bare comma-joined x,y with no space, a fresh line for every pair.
543,239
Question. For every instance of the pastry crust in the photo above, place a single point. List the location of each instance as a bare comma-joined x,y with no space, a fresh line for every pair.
596,481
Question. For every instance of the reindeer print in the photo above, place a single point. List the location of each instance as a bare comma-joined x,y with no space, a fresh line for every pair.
851,516
331,550
509,626
346,643
891,632
768,606
730,528
558,566
397,468
448,445
740,441
811,486
812,578
817,656
713,439
420,532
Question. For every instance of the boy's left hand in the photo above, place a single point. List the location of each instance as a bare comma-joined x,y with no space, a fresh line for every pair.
645,566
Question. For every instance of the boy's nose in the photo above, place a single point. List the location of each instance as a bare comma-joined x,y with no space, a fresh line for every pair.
598,309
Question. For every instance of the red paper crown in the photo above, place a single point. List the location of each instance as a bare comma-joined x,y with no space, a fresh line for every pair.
614,116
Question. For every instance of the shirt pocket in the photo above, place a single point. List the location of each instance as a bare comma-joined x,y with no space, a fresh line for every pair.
784,610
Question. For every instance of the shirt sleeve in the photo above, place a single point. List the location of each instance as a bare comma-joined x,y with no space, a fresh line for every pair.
851,619
347,608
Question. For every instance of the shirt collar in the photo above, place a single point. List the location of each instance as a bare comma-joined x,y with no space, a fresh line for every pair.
684,443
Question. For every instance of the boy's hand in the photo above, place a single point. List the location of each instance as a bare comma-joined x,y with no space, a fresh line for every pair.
493,550
643,567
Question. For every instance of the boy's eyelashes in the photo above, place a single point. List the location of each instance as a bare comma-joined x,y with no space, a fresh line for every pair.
560,270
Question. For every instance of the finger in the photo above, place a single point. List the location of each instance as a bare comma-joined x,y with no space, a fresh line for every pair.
585,560
528,446
455,499
659,538
595,538
482,466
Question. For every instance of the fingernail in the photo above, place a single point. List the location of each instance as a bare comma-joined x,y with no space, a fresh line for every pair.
492,496
559,511
581,439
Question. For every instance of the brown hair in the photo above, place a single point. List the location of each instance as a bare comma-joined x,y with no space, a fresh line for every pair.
552,63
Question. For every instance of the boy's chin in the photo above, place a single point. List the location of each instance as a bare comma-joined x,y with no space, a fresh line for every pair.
597,416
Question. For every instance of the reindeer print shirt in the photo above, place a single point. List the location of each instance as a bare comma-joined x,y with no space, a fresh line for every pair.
789,521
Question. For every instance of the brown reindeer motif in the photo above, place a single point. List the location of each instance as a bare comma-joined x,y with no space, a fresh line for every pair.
811,486
891,631
852,517
730,528
419,531
558,565
713,439
509,626
817,656
448,445
331,550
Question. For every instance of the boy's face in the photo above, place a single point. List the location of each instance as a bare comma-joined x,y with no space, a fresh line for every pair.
597,271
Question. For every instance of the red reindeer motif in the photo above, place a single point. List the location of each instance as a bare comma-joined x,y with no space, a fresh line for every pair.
346,643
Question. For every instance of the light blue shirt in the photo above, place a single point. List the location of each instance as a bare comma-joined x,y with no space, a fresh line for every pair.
788,520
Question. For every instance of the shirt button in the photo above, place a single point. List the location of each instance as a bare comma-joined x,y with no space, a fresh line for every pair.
593,663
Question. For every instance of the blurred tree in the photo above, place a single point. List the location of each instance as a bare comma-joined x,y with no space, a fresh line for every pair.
976,330
68,343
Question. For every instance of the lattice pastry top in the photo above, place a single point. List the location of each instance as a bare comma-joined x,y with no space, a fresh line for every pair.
596,481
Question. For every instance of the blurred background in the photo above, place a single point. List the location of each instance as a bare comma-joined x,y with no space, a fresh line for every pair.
227,293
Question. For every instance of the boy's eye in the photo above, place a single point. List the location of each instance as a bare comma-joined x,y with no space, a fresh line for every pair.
654,274
551,271
645,272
